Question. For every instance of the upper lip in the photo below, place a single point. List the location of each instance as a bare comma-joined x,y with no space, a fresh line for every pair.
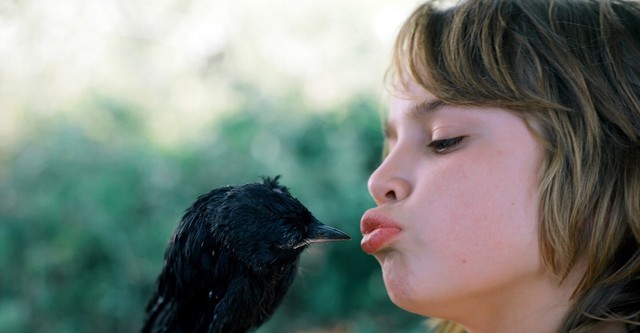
373,219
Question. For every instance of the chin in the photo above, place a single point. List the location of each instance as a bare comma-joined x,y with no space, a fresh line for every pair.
403,298
408,291
398,281
406,298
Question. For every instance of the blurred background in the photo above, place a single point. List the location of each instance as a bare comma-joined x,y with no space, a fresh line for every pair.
116,114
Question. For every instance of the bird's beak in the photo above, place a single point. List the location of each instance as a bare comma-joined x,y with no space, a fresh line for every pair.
320,233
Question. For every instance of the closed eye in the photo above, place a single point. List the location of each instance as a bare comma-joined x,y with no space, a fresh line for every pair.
444,146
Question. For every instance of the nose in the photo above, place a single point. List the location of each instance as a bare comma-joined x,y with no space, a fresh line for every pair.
388,183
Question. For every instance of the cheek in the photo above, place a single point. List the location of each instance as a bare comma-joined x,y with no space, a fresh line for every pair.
471,242
479,221
482,198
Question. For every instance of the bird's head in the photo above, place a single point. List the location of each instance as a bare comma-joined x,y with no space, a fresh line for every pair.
267,227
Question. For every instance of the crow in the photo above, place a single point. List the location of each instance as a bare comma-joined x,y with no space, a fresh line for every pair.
232,259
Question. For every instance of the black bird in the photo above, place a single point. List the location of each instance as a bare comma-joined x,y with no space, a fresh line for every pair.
232,258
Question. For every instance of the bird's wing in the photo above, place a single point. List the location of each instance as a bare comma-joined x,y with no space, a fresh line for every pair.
187,252
160,317
235,312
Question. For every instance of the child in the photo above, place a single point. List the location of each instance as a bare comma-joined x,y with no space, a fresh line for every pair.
509,196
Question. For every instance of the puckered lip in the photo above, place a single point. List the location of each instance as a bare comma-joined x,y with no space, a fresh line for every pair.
373,220
378,231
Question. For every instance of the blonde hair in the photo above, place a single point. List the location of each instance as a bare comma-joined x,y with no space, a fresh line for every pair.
573,66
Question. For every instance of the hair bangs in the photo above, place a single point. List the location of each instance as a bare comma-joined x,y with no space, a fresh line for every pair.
471,55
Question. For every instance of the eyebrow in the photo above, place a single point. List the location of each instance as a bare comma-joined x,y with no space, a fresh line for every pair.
426,107
418,110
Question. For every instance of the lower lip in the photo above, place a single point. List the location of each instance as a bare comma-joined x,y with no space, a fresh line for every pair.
377,239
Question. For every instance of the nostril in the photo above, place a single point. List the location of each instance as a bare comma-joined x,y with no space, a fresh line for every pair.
389,183
390,195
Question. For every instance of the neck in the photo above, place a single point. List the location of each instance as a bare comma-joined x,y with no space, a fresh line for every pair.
538,305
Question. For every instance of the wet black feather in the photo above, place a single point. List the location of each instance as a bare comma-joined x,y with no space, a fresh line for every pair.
230,261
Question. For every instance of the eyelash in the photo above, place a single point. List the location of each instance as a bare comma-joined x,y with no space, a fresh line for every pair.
445,145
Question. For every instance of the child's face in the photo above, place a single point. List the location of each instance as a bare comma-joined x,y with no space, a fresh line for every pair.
466,208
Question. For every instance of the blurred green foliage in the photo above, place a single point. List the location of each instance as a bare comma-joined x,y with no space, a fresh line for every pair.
115,115
85,216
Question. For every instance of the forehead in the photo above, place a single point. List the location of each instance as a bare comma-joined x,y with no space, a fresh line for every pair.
412,97
411,104
419,105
